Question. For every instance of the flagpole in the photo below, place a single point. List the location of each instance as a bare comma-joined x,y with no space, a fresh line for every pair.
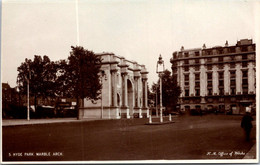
77,20
28,94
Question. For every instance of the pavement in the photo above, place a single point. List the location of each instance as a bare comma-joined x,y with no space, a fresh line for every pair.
251,154
16,122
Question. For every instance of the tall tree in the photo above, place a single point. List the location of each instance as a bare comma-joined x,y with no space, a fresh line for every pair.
81,76
61,81
170,90
41,73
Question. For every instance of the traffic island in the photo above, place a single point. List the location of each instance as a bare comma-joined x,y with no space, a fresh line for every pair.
160,123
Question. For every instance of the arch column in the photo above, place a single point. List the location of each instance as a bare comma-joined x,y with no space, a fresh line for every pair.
125,108
114,88
145,105
137,97
145,100
145,108
124,81
114,107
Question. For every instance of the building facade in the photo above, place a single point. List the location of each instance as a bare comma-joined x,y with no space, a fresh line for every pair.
221,78
124,90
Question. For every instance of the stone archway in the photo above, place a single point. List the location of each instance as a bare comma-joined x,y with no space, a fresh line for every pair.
118,100
125,80
130,97
119,104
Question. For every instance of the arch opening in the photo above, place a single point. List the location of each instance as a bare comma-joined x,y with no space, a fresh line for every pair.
130,96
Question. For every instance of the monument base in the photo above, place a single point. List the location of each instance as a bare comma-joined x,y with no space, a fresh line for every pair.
125,112
99,113
112,112
145,112
138,112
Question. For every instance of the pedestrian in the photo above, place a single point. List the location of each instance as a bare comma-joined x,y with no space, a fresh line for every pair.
246,123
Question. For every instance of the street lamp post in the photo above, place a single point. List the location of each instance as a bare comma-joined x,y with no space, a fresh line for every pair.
159,70
28,94
156,102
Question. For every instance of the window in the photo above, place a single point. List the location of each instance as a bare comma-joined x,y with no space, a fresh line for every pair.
232,50
197,92
197,53
174,55
180,54
186,83
221,82
233,91
186,61
209,83
186,54
220,66
220,59
245,90
186,92
209,67
220,75
186,68
209,52
210,92
197,76
244,48
197,101
244,74
197,84
232,65
209,60
221,91
233,82
220,51
244,64
209,76
232,74
197,68
245,82
186,77
253,47
197,61
244,57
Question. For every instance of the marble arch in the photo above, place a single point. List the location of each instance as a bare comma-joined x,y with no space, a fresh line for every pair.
124,92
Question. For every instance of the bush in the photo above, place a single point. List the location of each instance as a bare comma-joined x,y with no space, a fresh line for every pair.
15,112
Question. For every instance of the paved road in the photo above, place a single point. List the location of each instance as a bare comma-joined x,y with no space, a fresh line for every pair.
190,137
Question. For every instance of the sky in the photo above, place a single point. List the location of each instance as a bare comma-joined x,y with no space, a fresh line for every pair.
139,30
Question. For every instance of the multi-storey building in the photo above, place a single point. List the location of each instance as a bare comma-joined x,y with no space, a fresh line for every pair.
217,78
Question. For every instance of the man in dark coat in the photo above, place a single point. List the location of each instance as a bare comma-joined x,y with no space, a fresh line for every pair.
246,123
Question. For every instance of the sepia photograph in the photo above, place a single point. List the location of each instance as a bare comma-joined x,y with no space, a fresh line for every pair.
129,81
